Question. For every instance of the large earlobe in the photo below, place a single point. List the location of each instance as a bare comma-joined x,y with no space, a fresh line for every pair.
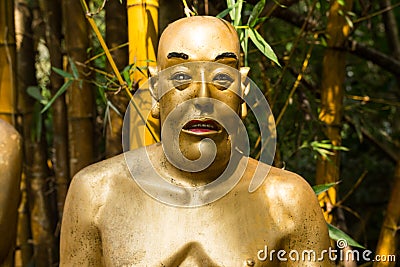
153,71
244,90
153,82
155,110
243,72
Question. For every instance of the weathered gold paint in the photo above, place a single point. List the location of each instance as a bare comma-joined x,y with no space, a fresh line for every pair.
110,221
10,175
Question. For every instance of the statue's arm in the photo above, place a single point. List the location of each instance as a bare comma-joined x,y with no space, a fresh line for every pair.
311,229
305,229
80,243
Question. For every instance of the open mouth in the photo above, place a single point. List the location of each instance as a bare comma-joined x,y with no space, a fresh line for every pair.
206,126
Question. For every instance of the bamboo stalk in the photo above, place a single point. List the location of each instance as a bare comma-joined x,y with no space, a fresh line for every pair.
35,148
116,34
23,256
143,39
51,11
42,225
8,96
80,97
388,243
25,77
150,124
332,91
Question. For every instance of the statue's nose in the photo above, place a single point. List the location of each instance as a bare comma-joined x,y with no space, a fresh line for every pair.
204,90
203,101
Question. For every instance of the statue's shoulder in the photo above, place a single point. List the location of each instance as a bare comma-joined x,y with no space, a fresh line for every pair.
10,154
109,173
285,185
102,170
98,182
9,137
6,128
289,199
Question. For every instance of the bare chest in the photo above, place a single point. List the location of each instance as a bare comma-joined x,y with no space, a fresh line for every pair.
228,232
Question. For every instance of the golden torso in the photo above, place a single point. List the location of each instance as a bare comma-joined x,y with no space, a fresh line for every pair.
110,221
137,230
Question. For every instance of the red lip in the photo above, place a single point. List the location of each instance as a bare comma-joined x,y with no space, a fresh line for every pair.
202,126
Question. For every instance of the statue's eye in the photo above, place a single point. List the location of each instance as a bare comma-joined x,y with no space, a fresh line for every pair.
223,80
181,80
181,77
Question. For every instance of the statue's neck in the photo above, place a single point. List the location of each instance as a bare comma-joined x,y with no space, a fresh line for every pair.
176,175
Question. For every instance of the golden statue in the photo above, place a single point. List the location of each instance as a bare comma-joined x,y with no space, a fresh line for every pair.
150,207
10,174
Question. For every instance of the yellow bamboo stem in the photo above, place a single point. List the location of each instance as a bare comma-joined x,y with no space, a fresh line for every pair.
143,39
8,95
115,68
332,93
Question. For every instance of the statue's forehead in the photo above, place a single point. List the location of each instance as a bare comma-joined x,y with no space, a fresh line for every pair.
199,38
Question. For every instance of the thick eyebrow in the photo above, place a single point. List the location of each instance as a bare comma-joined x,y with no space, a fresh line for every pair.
226,55
177,55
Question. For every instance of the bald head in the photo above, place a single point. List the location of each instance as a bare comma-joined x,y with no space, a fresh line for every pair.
198,38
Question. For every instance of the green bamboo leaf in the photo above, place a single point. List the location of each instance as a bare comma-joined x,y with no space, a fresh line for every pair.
341,2
107,118
126,74
231,5
59,92
34,91
262,45
111,105
235,11
260,20
326,144
74,69
279,4
225,12
337,234
349,21
238,13
244,43
318,189
258,8
321,145
324,153
62,73
358,128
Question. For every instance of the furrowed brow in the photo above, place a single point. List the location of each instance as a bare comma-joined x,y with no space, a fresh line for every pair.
177,55
226,55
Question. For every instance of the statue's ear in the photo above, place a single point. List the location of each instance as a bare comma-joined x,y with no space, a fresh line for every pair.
245,87
153,71
153,88
153,82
